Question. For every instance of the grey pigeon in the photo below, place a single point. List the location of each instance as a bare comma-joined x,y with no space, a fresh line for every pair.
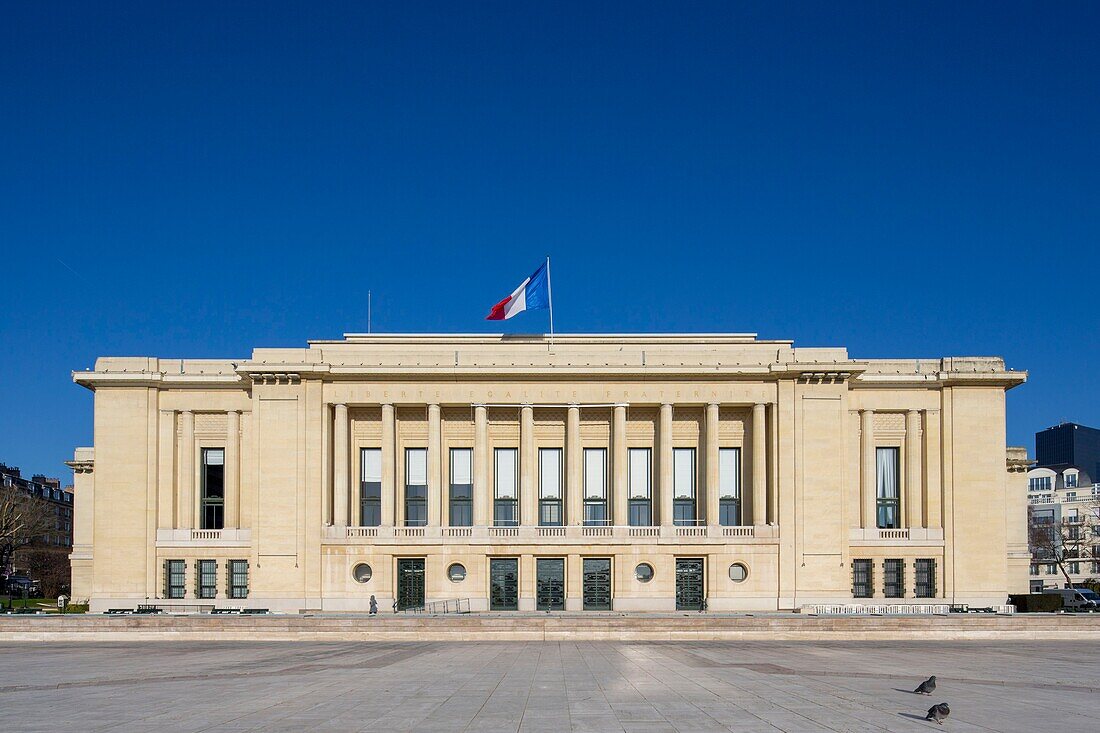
938,713
927,687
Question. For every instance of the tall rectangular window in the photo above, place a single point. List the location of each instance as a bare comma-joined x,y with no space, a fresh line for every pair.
641,507
595,487
370,487
416,487
213,488
505,493
863,582
175,572
237,570
550,487
683,486
206,579
729,487
462,487
925,572
893,578
886,463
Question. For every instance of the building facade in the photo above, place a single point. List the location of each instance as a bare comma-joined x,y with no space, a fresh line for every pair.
633,473
1069,444
56,502
1064,504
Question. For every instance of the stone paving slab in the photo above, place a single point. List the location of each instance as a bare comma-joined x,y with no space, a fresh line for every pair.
546,687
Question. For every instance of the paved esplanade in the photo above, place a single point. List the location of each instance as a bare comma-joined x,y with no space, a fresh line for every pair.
585,686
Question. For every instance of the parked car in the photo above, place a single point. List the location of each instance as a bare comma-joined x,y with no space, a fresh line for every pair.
17,584
1076,599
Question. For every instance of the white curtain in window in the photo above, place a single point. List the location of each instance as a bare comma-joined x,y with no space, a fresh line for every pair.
416,466
372,465
683,467
549,473
595,473
887,472
639,473
461,466
504,472
213,457
729,473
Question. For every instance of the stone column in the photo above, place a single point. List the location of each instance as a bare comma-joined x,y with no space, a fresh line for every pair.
483,500
186,514
389,465
933,456
868,517
711,485
914,499
340,466
435,475
233,470
620,500
574,484
759,464
664,482
166,472
528,468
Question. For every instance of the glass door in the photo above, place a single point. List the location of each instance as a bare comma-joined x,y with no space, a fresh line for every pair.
550,584
410,583
597,584
503,584
689,584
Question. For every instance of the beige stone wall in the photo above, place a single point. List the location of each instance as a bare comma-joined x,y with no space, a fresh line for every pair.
293,423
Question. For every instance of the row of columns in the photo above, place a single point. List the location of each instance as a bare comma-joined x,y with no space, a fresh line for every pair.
189,464
919,508
661,493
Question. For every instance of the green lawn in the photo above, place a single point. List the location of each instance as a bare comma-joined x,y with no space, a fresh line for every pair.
48,605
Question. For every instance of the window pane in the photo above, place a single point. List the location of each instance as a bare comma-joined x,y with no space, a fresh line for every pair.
729,472
683,465
416,466
213,457
887,465
372,465
504,472
549,473
639,473
595,473
462,466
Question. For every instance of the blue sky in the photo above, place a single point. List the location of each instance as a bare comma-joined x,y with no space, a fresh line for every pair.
198,179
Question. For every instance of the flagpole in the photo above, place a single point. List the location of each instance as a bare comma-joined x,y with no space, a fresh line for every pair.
550,297
368,311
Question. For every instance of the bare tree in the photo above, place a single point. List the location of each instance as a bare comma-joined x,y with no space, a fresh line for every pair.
24,518
1062,542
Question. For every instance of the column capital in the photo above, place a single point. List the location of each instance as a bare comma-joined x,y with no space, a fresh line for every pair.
714,404
340,404
913,412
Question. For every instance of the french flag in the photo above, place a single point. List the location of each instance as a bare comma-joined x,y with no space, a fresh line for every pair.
532,294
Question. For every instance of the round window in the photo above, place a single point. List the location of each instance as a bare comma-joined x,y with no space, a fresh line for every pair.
457,573
738,572
644,572
361,572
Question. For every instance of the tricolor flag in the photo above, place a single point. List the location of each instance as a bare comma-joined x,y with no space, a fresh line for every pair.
532,294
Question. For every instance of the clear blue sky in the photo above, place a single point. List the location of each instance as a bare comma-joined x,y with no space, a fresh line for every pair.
198,179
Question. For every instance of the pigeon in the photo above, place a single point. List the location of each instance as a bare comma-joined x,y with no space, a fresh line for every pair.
938,712
927,687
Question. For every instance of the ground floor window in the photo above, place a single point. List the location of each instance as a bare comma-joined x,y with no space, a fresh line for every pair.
925,572
863,585
238,578
174,573
893,578
206,579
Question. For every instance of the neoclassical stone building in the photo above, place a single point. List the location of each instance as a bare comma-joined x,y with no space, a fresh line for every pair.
625,472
